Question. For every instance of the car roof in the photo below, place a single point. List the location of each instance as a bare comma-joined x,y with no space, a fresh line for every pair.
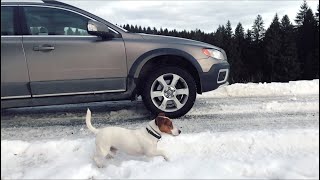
21,1
40,2
35,2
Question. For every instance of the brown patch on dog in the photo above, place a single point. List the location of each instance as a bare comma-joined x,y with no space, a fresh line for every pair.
160,114
164,123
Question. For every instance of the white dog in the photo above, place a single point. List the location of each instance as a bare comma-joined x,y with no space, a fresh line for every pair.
134,142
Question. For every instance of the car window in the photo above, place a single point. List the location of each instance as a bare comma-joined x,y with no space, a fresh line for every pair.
52,21
7,27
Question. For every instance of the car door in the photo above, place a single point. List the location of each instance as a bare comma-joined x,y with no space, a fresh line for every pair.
14,71
63,59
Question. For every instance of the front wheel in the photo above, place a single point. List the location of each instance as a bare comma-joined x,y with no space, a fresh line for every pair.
171,90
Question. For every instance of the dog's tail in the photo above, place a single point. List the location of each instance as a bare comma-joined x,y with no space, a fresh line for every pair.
88,122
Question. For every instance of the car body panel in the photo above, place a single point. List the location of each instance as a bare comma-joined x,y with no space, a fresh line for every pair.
73,59
141,49
14,71
144,58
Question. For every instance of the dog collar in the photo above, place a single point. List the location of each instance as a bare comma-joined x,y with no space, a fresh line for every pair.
158,136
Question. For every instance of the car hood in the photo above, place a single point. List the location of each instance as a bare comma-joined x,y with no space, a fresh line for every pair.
176,40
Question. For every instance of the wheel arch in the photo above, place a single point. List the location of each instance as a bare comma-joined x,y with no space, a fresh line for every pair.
151,59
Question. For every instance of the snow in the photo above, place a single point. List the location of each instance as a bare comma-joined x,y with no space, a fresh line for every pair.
282,141
257,107
245,154
302,87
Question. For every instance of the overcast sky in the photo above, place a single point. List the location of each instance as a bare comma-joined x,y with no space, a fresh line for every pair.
189,15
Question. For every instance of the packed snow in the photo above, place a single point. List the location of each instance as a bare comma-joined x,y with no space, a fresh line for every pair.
239,131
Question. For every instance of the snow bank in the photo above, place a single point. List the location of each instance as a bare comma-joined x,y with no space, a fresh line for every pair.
242,107
265,89
256,154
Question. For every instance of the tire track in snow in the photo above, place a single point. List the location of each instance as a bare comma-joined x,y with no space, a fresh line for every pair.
212,114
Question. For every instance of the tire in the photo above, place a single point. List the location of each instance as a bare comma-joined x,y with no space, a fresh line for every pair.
171,90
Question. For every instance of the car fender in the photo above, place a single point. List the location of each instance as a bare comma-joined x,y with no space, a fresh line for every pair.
144,58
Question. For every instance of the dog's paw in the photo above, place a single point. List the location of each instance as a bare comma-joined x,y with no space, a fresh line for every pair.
109,156
101,166
166,159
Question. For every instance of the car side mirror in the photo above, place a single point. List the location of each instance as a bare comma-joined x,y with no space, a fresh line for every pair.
98,29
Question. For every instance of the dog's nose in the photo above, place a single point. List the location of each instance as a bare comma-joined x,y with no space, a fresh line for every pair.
179,131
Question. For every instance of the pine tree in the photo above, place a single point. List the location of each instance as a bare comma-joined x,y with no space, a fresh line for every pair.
69,31
240,69
258,29
219,36
307,45
154,31
127,27
175,33
248,36
209,38
229,30
149,31
316,53
136,29
77,32
165,32
302,13
161,31
272,49
227,37
257,51
247,54
239,33
132,29
288,67
230,49
317,15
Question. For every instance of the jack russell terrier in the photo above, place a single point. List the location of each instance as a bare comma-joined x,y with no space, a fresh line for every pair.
133,142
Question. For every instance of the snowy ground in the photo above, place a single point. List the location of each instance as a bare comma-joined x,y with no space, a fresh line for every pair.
238,131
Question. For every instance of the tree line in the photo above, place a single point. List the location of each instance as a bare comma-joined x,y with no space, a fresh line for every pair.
283,52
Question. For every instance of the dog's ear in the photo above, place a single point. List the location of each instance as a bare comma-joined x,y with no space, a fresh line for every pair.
159,121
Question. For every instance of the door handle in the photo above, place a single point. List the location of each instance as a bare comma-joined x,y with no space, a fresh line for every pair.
45,47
